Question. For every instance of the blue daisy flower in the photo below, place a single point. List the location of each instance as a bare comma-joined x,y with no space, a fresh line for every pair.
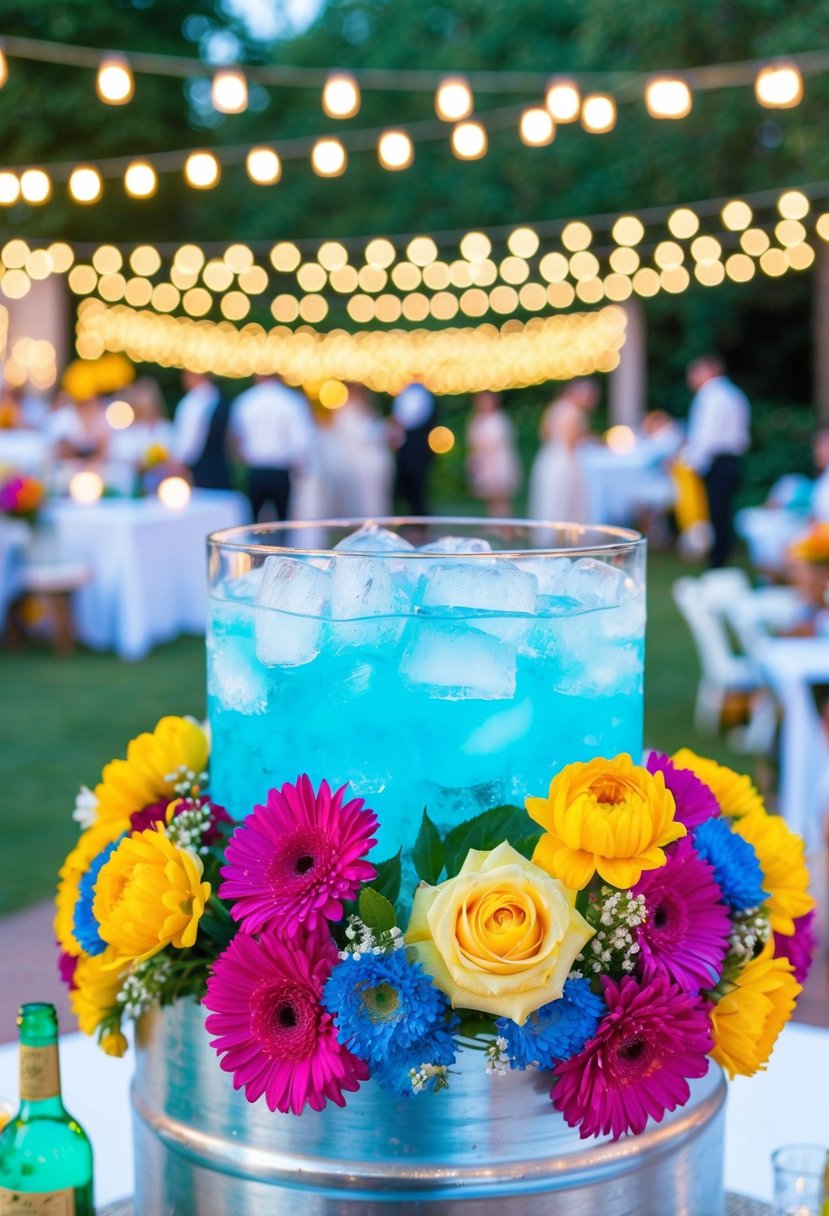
84,924
382,1003
736,868
438,1048
555,1031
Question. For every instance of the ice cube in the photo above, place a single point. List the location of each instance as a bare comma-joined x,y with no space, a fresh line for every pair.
456,663
371,538
497,597
368,605
551,572
597,584
245,587
292,601
457,544
234,677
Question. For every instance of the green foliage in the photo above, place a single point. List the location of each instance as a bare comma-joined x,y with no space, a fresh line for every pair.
376,912
427,854
388,879
487,831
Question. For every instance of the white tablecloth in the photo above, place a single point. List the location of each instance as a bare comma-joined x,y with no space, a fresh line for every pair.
785,1105
768,534
24,451
148,564
619,484
793,666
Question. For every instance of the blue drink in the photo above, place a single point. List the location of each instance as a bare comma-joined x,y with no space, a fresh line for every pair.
452,677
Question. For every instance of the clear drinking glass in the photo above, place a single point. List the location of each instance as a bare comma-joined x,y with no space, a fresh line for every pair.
442,663
801,1175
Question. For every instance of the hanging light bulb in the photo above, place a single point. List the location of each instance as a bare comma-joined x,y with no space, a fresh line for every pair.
229,91
114,83
563,100
598,113
395,150
85,185
668,97
4,67
341,96
9,188
201,170
536,127
328,158
454,100
140,179
35,186
469,141
264,166
779,86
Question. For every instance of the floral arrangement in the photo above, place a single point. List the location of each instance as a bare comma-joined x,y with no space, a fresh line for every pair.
617,933
21,496
812,548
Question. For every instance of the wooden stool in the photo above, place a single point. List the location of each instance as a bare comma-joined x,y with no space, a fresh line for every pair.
55,583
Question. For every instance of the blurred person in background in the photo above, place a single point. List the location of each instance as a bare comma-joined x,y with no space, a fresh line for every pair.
819,501
272,433
358,467
150,433
719,423
413,415
200,439
79,429
493,467
558,487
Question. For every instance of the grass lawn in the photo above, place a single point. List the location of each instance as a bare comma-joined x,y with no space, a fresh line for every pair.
61,720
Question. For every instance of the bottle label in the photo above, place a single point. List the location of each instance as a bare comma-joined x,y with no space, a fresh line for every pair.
39,1074
52,1203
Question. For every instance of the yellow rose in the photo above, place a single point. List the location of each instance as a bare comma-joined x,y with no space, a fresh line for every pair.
501,937
605,816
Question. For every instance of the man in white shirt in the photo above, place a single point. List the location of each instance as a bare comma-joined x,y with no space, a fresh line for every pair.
719,423
272,433
200,432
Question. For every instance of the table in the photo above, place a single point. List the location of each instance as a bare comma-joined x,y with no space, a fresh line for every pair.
620,484
784,1105
768,533
792,666
148,566
24,451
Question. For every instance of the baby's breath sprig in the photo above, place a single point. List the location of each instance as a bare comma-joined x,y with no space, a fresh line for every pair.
613,949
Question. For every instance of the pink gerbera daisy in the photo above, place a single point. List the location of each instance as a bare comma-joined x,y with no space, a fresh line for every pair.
694,800
685,935
293,861
799,948
271,1030
652,1039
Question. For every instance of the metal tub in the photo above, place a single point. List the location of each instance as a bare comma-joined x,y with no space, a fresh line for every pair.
489,1146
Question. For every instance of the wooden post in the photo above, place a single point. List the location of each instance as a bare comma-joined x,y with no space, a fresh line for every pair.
820,326
627,390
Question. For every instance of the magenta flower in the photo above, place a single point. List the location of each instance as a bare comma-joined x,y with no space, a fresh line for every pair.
66,969
685,935
694,800
271,1030
292,862
800,948
652,1039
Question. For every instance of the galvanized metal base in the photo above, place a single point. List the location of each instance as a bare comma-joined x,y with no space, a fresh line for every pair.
489,1146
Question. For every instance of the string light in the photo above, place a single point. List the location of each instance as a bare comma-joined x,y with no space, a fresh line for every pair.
140,180
370,278
114,82
598,113
793,205
4,68
469,140
683,223
328,158
668,97
421,250
441,440
755,241
736,215
536,127
628,230
454,100
174,493
86,487
120,415
380,252
285,256
563,100
107,259
9,188
201,170
822,226
668,255
229,91
576,235
145,260
475,246
35,186
85,184
523,242
395,150
263,166
779,86
332,255
189,258
341,96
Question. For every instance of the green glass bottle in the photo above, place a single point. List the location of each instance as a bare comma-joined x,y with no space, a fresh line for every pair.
45,1155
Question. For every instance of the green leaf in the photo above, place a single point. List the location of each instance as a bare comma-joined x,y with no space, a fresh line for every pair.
388,878
427,853
487,831
376,911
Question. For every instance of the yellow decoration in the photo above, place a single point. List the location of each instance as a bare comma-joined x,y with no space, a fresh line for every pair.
748,1019
501,936
149,895
609,817
735,792
785,877
813,547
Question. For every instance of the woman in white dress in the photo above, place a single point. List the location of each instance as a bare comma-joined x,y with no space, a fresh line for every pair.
492,464
359,466
558,487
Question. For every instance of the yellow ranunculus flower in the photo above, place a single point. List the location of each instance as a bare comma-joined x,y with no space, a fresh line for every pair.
150,771
748,1019
149,895
735,792
781,856
500,937
114,1044
609,816
90,844
97,982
